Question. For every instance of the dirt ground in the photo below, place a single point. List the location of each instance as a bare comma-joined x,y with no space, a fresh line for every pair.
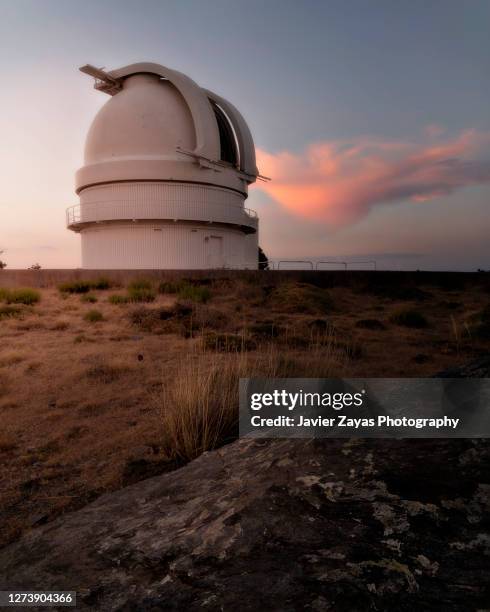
80,400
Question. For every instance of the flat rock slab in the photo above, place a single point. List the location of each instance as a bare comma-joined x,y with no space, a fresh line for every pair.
279,525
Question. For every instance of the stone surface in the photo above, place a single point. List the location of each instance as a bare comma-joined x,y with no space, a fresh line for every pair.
279,525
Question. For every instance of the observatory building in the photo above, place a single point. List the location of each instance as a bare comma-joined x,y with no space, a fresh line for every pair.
166,171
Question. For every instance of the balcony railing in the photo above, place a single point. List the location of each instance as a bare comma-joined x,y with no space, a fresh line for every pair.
158,210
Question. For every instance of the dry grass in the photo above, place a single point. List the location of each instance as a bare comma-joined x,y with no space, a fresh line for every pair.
87,408
199,408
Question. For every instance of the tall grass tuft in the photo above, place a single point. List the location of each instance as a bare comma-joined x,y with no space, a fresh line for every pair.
93,316
141,294
199,408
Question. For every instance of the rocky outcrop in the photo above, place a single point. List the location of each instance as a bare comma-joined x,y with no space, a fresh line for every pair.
279,525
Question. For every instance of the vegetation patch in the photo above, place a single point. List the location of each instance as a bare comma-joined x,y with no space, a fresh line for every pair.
228,343
89,298
84,286
141,294
10,312
408,317
117,298
196,291
177,318
300,298
140,283
171,287
20,296
93,316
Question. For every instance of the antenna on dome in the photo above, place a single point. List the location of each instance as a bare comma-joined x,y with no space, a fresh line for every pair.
103,80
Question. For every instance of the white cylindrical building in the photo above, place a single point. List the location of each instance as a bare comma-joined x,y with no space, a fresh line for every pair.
165,177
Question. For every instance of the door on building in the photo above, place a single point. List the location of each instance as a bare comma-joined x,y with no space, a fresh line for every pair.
214,251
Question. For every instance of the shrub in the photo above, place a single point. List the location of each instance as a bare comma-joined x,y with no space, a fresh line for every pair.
171,286
408,317
117,298
3,294
98,284
141,294
93,316
23,296
10,312
75,287
177,318
88,297
101,283
194,293
140,283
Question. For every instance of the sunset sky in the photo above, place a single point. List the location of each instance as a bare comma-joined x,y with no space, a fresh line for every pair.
372,118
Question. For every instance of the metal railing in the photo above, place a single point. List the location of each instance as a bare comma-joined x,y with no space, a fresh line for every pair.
169,209
306,264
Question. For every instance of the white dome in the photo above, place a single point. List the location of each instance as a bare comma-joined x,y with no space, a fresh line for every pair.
160,125
166,169
147,119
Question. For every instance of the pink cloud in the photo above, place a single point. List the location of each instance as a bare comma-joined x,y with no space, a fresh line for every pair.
340,181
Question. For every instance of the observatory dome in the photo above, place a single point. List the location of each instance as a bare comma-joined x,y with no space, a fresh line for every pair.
166,171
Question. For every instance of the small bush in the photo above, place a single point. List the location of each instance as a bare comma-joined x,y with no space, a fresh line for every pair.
141,294
88,297
101,284
171,286
85,286
75,287
408,317
3,294
194,293
93,316
10,312
23,296
140,283
177,319
117,298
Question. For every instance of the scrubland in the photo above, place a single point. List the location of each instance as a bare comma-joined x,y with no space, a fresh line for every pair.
108,380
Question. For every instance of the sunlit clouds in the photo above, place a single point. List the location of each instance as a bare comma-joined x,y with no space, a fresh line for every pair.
339,182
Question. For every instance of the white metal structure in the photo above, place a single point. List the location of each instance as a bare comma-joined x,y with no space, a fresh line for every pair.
166,174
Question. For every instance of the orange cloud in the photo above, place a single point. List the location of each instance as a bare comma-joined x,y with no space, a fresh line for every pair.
340,181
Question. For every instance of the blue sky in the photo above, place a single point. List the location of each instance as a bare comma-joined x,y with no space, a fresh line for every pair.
304,74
